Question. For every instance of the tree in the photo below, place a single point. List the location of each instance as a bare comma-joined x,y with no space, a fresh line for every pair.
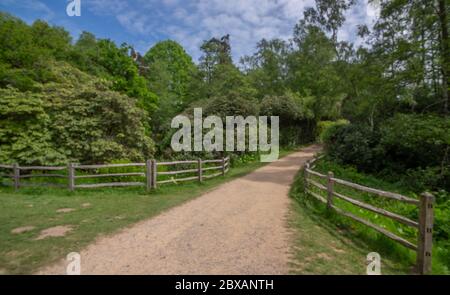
56,40
103,58
408,40
215,52
176,66
217,75
444,41
314,71
16,43
169,73
52,112
328,15
268,67
296,115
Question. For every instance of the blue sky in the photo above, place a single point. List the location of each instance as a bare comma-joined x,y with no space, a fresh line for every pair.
142,23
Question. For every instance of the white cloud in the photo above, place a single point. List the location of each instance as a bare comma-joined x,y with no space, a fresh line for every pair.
105,7
192,21
362,13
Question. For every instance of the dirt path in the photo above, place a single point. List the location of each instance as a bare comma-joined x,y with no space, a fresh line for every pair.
238,228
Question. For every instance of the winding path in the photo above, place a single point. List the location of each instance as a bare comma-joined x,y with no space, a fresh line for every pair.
238,228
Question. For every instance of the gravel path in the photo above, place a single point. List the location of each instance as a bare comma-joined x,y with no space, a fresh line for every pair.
237,228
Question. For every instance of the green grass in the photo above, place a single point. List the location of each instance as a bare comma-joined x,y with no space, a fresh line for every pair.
322,248
110,210
397,259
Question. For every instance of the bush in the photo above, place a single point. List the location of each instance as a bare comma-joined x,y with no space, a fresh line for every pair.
429,178
413,141
297,124
25,135
355,145
325,128
413,149
76,118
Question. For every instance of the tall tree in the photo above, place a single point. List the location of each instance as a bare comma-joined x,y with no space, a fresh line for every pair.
175,62
268,67
442,12
314,72
169,73
215,52
411,39
328,15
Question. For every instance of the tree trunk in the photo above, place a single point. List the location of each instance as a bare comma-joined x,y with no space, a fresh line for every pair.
445,53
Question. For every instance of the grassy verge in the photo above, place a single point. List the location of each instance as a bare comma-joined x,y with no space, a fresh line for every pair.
322,248
95,212
395,258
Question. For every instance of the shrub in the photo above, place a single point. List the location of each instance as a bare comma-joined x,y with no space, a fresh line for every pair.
25,135
355,145
76,118
413,149
325,128
297,125
413,141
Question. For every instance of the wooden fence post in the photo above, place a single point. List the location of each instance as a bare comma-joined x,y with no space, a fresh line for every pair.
305,174
223,166
155,174
16,175
200,170
425,244
330,189
148,174
71,176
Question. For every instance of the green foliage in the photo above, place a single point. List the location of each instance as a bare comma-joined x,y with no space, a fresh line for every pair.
102,57
405,67
290,107
169,74
25,137
54,40
76,118
325,129
224,80
412,149
170,69
218,76
355,145
295,114
267,68
52,112
230,105
314,71
215,52
441,231
416,141
417,150
17,46
96,125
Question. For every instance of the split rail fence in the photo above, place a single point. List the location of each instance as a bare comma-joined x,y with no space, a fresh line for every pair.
425,205
148,173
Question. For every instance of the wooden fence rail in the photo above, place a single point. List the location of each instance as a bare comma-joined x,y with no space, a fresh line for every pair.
424,225
149,173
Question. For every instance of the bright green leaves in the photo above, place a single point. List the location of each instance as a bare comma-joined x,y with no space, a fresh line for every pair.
25,136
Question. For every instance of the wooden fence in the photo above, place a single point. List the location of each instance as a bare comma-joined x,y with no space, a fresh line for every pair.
424,225
149,173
